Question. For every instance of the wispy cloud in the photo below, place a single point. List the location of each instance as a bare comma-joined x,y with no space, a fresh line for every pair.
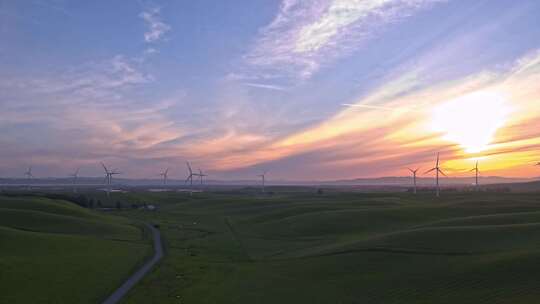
156,27
54,6
96,112
265,86
95,80
303,37
382,140
377,107
89,113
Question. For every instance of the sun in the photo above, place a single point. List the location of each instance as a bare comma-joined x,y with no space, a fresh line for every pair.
471,120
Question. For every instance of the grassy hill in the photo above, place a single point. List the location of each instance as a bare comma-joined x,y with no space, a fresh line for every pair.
346,248
53,251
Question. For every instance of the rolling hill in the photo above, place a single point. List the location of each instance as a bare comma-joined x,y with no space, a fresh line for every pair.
56,252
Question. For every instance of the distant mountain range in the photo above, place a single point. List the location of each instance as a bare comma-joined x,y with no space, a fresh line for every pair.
428,181
381,181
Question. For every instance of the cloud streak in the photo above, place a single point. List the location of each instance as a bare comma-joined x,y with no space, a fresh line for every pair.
156,27
382,141
90,113
304,37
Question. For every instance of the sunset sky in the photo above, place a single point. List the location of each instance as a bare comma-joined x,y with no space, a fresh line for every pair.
309,90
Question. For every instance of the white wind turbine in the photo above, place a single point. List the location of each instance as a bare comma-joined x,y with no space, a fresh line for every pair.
108,177
190,177
414,177
74,177
437,170
477,172
29,175
263,180
165,175
201,175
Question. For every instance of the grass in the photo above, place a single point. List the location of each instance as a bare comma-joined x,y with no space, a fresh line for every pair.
298,247
292,247
56,252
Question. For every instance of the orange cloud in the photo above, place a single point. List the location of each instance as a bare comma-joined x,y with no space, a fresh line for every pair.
400,125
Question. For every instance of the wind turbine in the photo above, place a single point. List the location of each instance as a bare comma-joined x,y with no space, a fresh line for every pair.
437,170
165,175
263,179
414,177
108,177
75,176
190,177
201,175
29,175
475,169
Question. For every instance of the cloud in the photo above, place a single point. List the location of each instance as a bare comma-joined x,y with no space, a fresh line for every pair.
304,37
265,86
94,80
98,112
150,51
379,140
84,115
156,27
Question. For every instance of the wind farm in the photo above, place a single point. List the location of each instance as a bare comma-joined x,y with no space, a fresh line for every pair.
295,152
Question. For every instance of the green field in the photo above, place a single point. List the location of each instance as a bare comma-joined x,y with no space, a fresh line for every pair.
300,247
294,246
53,251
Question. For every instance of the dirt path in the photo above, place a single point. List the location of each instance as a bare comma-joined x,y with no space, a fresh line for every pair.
137,276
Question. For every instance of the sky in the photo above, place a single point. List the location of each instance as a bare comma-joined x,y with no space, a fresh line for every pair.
308,90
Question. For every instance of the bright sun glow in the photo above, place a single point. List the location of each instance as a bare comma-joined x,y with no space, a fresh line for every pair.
471,120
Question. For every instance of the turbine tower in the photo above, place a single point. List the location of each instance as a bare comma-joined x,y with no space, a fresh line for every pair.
201,175
477,172
29,175
165,175
263,179
74,177
437,170
108,177
190,177
414,177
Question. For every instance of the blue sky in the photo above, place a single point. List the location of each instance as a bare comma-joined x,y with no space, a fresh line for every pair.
237,87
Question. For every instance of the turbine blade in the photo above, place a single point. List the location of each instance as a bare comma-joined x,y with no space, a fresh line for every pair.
429,171
105,168
441,172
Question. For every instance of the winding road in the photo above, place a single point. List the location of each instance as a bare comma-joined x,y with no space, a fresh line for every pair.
137,276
